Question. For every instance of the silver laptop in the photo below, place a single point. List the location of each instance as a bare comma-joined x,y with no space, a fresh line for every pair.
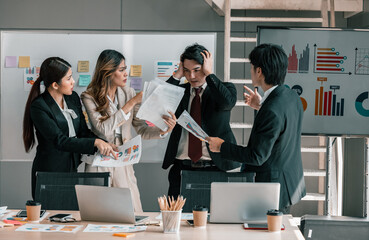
242,202
106,204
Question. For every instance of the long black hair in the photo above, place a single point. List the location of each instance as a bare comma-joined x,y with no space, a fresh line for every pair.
52,70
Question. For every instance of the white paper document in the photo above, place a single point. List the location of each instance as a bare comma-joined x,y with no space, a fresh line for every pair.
158,98
114,228
49,228
187,122
129,153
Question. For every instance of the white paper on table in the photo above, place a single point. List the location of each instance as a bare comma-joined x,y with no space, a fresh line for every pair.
165,97
187,122
114,228
3,209
49,228
129,153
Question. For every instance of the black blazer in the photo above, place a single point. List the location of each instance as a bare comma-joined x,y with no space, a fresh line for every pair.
56,151
274,148
217,102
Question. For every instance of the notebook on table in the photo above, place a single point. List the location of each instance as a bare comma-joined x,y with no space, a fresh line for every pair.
106,204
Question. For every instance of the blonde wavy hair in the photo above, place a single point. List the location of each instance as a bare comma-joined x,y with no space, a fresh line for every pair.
107,63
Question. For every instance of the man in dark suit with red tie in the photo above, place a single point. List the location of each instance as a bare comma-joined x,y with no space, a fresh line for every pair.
209,101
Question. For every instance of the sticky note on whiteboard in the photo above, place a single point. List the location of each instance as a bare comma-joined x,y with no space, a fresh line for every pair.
11,61
24,61
83,66
136,71
84,80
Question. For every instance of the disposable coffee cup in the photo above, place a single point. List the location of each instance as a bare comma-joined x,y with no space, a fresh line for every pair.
200,216
274,218
33,211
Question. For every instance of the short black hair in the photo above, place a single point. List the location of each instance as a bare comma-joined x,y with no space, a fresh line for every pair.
193,52
273,62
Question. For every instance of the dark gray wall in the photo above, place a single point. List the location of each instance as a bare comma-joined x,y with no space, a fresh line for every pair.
354,177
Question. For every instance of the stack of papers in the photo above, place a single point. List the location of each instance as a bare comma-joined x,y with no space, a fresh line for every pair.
158,98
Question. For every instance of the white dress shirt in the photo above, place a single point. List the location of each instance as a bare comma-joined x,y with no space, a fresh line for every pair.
68,114
182,153
266,94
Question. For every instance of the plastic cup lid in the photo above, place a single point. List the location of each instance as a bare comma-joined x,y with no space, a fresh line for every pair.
274,212
32,203
199,208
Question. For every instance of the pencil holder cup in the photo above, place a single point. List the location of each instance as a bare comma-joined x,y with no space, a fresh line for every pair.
171,221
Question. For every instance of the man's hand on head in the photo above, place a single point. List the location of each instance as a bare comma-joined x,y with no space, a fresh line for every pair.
207,66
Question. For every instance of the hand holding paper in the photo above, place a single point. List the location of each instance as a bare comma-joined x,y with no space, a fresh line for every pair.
187,122
128,153
158,98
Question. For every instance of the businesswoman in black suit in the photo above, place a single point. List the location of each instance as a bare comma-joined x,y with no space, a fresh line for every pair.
56,114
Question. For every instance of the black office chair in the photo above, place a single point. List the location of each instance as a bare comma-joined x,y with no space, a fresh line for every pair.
195,185
55,190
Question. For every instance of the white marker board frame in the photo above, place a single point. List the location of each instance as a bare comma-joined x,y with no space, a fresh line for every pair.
329,68
139,48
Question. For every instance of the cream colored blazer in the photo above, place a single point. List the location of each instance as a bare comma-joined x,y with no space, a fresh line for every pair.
106,129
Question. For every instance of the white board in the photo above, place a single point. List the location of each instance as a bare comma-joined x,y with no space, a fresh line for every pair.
138,48
330,71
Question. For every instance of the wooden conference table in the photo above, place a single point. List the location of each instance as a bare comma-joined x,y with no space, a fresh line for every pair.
212,231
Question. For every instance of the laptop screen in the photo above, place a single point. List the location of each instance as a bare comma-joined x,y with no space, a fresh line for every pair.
242,202
105,204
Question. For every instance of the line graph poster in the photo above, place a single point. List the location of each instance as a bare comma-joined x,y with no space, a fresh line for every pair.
362,61
329,71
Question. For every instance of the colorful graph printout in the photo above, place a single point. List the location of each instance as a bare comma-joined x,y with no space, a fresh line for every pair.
187,122
129,153
114,228
165,69
49,228
30,76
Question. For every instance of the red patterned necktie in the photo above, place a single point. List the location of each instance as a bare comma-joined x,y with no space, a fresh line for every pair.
194,144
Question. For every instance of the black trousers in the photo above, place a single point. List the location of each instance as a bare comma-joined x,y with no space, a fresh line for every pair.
174,176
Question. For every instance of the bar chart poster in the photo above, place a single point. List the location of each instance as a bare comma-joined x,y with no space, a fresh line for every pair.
326,101
329,60
298,63
329,70
362,61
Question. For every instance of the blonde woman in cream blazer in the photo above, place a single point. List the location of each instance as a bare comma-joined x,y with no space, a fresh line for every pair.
113,118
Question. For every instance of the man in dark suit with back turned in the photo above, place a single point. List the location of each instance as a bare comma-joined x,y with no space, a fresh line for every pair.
274,148
209,101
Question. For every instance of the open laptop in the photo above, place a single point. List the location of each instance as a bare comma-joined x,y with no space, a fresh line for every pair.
242,202
106,204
